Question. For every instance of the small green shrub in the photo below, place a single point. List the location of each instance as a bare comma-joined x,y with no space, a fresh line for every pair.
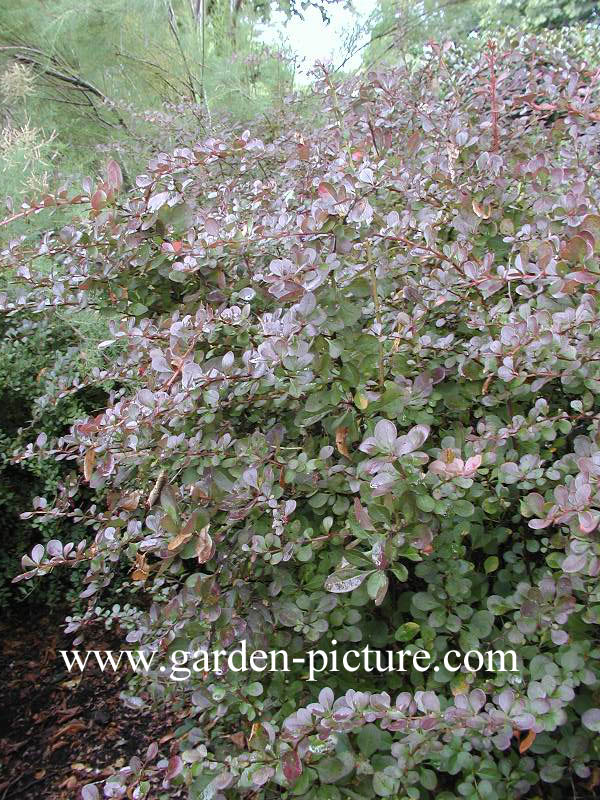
40,358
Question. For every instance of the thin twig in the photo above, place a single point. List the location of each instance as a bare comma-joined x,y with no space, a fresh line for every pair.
171,15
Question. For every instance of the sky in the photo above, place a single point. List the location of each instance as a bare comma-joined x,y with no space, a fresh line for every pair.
311,40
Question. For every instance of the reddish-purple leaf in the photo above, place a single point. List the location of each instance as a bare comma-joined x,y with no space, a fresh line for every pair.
291,765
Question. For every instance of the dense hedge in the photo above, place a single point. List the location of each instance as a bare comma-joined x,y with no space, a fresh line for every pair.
37,355
357,372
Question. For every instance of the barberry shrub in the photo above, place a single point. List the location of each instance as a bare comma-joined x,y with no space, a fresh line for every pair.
355,374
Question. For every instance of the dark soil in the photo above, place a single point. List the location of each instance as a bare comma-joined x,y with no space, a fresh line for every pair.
61,730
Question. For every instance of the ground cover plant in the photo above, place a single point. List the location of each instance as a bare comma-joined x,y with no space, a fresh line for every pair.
354,371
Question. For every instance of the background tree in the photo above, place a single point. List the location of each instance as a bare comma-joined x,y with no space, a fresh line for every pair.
98,76
399,26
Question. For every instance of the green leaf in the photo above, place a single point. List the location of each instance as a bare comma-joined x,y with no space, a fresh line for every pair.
481,623
371,738
400,572
407,632
428,779
384,785
345,580
318,500
591,719
463,508
491,564
425,502
377,586
361,400
168,501
425,602
332,769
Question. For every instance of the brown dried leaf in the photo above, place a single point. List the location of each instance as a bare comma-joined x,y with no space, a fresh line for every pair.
88,463
482,211
72,683
238,739
340,441
75,726
526,743
594,779
182,537
141,570
129,502
205,547
156,489
447,456
254,730
186,532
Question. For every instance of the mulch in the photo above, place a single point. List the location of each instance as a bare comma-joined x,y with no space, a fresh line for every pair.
61,730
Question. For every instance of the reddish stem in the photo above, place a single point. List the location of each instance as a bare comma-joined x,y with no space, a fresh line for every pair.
494,99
